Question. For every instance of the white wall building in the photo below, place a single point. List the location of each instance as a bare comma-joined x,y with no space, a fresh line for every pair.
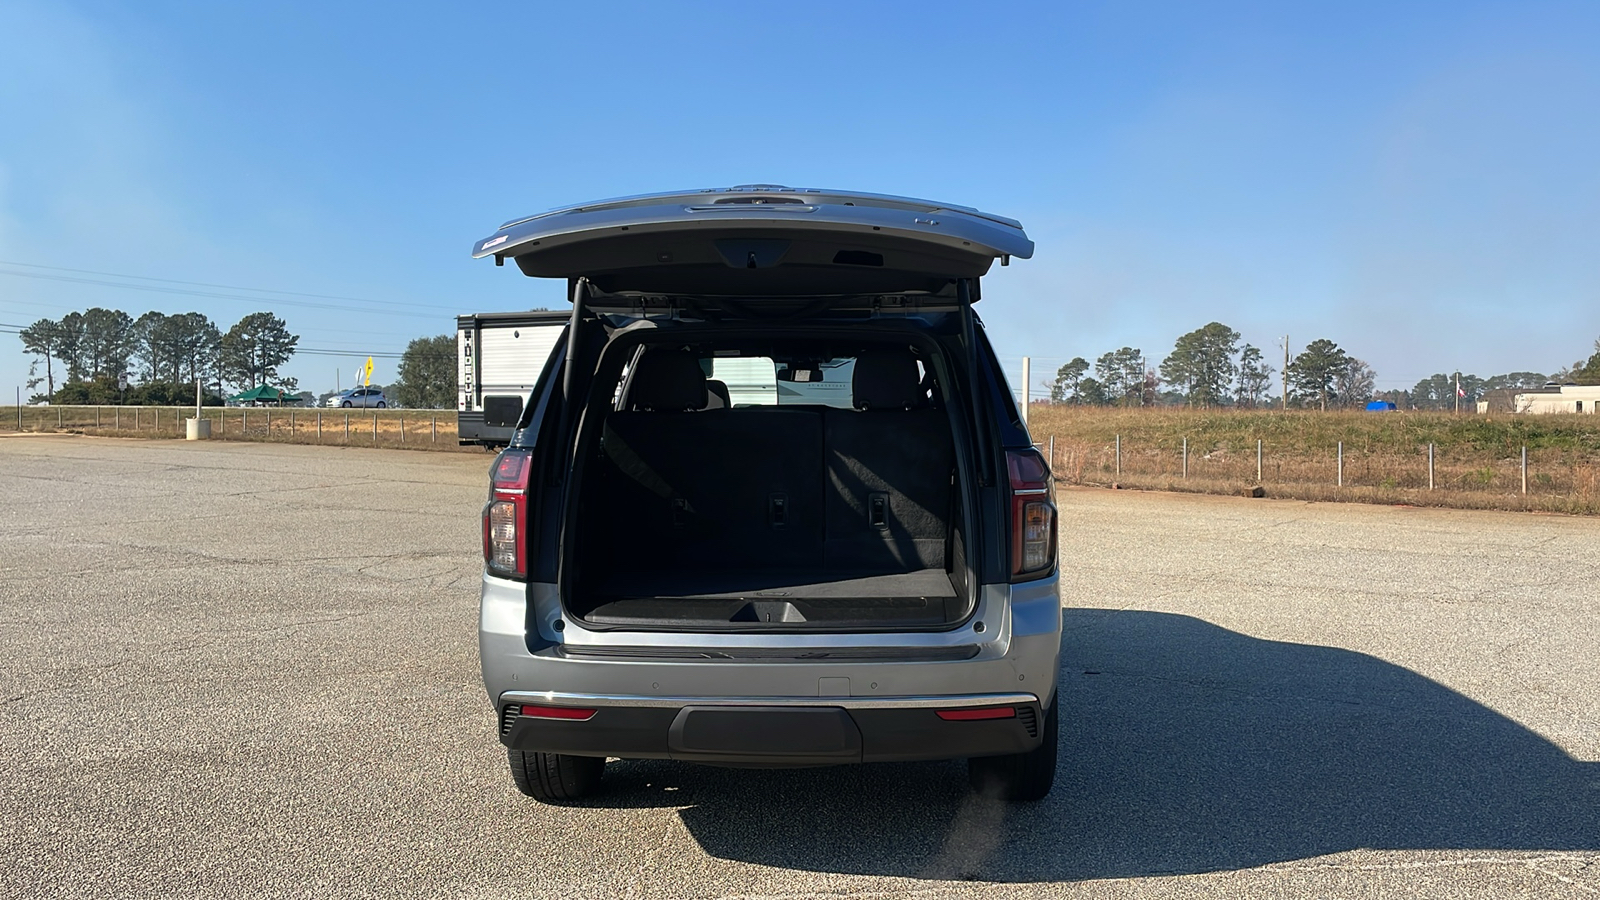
1566,398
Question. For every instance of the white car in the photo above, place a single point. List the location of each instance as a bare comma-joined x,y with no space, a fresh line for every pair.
364,398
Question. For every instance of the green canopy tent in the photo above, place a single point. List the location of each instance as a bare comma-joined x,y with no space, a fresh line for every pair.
264,394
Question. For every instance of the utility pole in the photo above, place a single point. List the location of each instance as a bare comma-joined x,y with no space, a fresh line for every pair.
1285,372
1026,388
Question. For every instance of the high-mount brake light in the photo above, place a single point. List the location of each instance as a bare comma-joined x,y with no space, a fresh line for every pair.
505,517
1033,514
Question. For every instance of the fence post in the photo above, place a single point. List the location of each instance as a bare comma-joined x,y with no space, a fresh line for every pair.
1052,455
156,425
97,418
1430,467
374,429
436,430
116,419
1119,456
1524,469
1258,460
58,417
136,416
319,426
1341,464
402,428
1186,457
291,424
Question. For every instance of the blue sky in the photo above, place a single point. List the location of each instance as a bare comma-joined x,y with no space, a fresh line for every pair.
1419,182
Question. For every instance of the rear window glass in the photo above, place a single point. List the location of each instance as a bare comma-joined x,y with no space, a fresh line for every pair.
762,381
799,374
1012,432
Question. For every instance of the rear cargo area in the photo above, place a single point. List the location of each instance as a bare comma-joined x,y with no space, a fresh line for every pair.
695,514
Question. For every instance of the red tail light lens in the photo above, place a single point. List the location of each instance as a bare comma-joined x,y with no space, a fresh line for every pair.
974,715
1033,514
558,712
505,517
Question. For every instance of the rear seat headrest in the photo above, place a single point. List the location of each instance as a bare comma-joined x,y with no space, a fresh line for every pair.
669,381
887,379
717,395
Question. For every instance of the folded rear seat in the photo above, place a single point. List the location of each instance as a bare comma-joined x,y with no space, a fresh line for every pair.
712,489
890,466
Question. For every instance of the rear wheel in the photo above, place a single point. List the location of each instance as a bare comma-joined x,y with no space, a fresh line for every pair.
1019,776
380,404
555,777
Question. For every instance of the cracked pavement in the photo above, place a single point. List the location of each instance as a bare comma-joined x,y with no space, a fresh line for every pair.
242,670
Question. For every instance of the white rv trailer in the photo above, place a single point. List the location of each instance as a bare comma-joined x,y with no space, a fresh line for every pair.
499,357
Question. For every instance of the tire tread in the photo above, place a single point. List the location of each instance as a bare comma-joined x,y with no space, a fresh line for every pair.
1023,777
555,777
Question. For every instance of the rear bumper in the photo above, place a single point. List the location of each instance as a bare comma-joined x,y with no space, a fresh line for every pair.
641,683
470,429
756,732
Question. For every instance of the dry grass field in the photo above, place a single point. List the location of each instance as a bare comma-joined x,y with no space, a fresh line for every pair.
418,429
1477,459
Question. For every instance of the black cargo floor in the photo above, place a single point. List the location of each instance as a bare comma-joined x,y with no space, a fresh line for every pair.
765,584
794,599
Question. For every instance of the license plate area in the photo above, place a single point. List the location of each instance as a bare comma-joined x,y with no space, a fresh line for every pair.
809,735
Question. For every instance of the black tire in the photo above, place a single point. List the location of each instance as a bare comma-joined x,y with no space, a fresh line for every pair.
1020,776
380,404
555,777
345,404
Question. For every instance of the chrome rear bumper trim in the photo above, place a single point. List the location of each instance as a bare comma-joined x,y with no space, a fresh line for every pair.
558,698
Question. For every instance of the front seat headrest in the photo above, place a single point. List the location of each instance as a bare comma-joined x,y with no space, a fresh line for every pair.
669,381
887,379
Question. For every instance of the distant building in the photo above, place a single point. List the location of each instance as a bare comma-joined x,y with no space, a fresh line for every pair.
1559,398
1499,400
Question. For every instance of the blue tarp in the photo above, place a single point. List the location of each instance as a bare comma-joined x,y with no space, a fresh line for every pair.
1380,406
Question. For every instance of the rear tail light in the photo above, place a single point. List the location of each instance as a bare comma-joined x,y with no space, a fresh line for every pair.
981,713
1033,514
505,518
558,712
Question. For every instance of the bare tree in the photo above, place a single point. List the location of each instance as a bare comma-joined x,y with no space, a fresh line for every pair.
1354,385
1255,377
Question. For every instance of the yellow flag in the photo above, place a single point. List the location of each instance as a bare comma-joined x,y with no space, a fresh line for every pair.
366,374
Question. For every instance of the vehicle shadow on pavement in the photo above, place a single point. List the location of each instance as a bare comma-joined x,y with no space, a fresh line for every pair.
1185,748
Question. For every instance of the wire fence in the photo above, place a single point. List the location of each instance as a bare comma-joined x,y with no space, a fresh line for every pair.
1510,477
422,429
1431,475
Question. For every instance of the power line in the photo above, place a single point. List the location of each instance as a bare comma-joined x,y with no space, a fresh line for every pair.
9,328
226,287
219,296
356,353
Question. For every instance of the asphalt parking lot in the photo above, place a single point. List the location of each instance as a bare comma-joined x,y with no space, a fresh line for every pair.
251,670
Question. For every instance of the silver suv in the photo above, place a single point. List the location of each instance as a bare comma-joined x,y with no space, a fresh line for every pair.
771,502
